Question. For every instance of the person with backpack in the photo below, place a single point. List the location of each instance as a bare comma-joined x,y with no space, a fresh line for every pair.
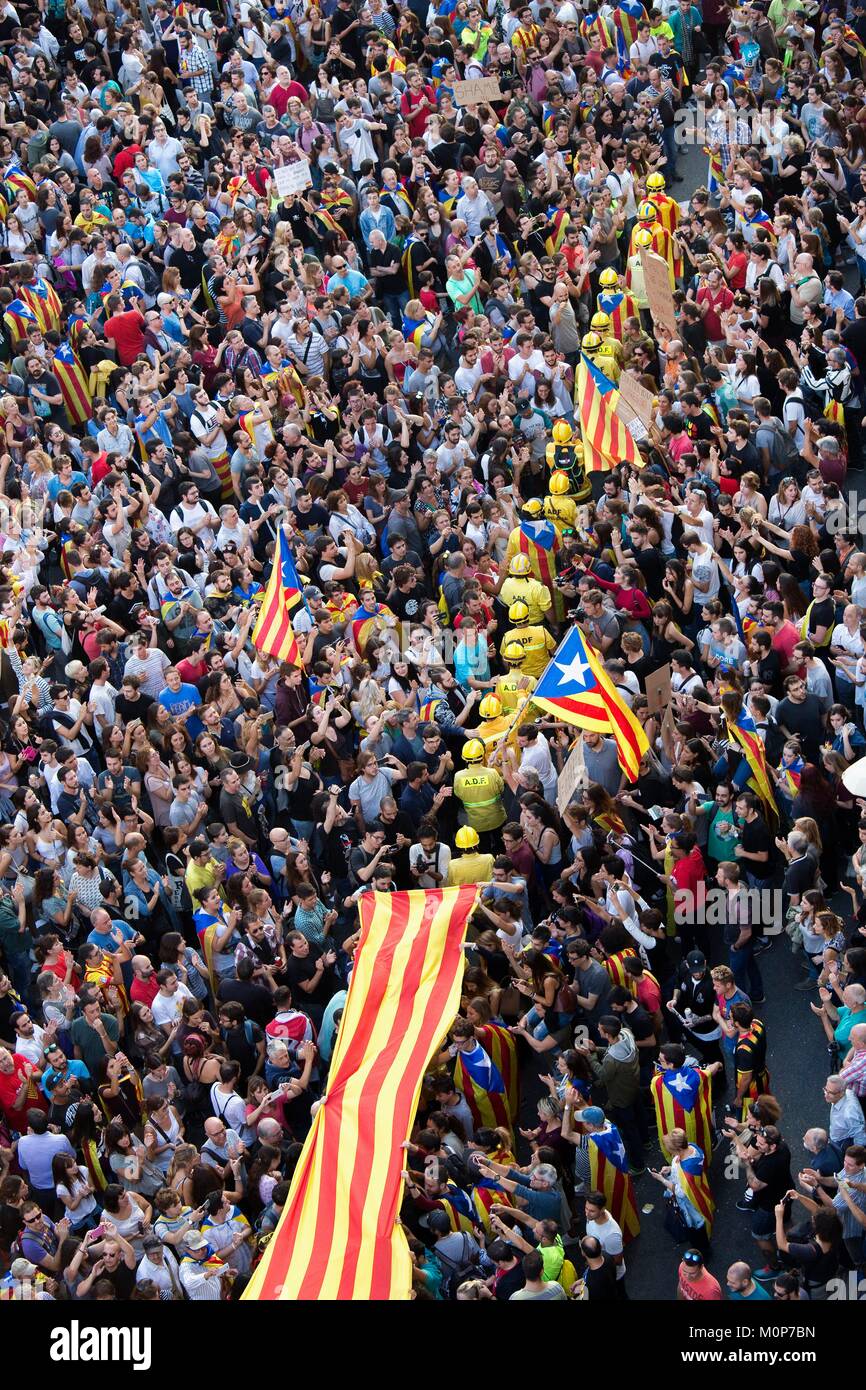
459,1255
776,447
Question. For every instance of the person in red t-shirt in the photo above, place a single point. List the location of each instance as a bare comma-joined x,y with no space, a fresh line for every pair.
737,263
19,1089
688,869
145,986
695,1284
416,103
125,329
715,295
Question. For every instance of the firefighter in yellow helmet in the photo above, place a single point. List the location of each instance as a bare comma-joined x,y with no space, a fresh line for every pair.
661,241
520,583
559,506
607,360
471,866
564,454
538,644
480,789
494,723
523,546
634,277
668,208
601,324
513,687
615,301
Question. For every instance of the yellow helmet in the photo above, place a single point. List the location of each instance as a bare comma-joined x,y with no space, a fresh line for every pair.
559,484
533,506
590,342
473,751
647,212
512,652
466,837
608,279
518,613
519,567
643,237
655,183
490,707
600,322
561,432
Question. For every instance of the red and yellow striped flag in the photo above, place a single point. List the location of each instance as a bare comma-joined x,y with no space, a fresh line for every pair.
338,1237
606,441
273,632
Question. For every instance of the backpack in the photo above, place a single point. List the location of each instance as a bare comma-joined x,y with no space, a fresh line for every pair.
455,1273
785,450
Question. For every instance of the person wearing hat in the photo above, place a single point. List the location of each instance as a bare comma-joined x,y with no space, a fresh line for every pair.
692,1006
23,1283
159,1265
203,1274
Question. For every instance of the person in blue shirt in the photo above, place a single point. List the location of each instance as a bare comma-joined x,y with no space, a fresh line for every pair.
418,799
344,276
60,1068
181,700
837,298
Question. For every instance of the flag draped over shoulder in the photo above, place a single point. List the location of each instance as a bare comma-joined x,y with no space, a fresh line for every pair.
743,733
696,1185
43,302
608,1173
19,318
487,1076
606,441
273,632
576,688
539,541
74,384
338,1237
683,1100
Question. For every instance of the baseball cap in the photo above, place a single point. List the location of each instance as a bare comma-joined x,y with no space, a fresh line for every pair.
439,1223
22,1269
313,591
195,1241
593,1115
696,960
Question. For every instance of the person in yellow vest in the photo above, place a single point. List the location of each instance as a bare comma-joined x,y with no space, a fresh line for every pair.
471,866
634,276
564,453
479,789
661,240
558,506
615,301
512,688
538,644
521,584
607,362
667,207
601,324
494,723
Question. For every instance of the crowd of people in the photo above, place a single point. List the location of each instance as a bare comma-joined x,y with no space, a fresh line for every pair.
379,368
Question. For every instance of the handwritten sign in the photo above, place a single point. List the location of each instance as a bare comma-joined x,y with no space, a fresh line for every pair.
658,690
638,397
572,776
657,283
479,89
293,178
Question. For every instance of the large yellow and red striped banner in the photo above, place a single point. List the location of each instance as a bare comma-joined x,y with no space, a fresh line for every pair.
338,1237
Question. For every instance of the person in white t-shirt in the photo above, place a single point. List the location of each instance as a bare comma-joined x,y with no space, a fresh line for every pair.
168,1002
607,1231
199,516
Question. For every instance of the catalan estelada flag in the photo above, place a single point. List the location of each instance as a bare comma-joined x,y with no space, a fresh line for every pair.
487,1076
577,689
619,305
606,441
273,632
42,300
17,179
696,1185
19,318
337,1238
753,772
73,381
683,1100
608,1173
540,542
628,17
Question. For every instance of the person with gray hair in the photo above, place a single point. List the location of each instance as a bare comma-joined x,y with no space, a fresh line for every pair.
847,1125
838,1020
